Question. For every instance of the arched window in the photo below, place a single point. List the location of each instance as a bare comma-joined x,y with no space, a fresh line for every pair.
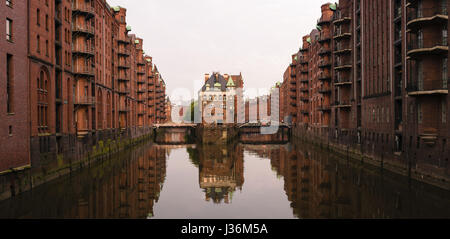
43,100
108,110
42,79
100,109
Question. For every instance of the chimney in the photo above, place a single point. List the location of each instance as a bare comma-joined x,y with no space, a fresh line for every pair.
206,77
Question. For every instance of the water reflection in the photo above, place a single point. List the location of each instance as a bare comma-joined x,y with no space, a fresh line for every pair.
207,181
322,185
126,186
221,170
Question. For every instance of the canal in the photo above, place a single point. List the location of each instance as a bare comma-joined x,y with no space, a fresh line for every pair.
229,181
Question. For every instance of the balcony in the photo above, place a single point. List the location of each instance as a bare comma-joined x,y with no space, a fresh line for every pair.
324,37
323,20
343,104
84,9
80,29
340,50
339,18
427,88
304,89
418,48
420,16
123,109
324,51
123,40
324,64
84,101
303,60
123,91
340,34
343,82
304,70
325,90
304,80
303,50
83,70
304,98
141,72
83,50
123,52
58,17
324,108
123,78
124,64
343,65
324,76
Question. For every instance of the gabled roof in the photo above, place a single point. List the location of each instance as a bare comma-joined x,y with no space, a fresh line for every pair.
230,82
214,80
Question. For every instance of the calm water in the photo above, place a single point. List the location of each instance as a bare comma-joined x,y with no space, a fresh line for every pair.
234,181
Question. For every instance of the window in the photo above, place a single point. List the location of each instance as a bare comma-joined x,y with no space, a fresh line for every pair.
387,114
9,30
444,111
46,22
445,73
38,46
419,9
420,39
46,47
38,17
420,76
444,7
444,37
419,113
9,84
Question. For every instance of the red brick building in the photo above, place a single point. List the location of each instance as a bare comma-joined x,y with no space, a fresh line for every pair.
14,90
373,76
220,99
88,80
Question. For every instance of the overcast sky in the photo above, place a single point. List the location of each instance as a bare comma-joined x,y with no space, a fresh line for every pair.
188,38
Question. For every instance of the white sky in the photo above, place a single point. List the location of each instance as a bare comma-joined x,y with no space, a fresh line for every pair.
188,38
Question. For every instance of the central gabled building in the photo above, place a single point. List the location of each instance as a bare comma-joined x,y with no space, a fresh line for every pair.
221,99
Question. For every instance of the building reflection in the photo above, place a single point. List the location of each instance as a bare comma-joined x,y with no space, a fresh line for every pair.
221,171
319,184
125,186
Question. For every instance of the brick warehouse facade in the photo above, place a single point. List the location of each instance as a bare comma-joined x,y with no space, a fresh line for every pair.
86,81
14,89
372,78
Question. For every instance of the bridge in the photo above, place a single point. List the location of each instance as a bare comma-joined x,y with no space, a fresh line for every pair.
174,125
259,125
248,133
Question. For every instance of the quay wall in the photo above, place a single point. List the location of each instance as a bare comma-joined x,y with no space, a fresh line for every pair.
408,163
66,154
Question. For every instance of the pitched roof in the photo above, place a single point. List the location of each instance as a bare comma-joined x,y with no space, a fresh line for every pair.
215,79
